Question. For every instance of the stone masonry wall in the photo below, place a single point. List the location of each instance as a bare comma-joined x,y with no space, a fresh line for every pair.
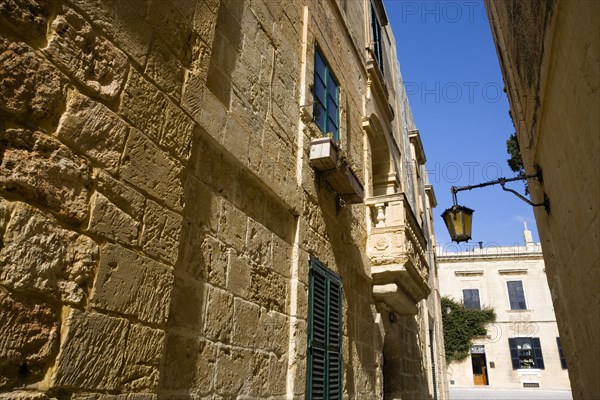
157,211
550,55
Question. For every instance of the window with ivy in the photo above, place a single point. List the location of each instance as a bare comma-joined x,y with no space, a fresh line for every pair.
526,353
471,298
324,375
326,107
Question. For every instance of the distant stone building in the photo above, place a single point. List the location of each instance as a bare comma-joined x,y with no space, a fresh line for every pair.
212,200
522,349
549,52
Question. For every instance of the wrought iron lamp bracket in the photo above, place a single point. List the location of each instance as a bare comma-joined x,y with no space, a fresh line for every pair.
502,182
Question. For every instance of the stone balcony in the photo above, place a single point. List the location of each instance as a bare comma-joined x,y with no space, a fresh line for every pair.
397,250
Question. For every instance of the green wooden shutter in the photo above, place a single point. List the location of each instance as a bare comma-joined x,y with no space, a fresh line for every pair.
563,360
537,353
514,352
334,345
324,377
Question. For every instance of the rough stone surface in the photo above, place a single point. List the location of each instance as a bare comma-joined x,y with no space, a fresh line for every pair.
28,339
39,168
268,288
152,170
31,87
132,285
23,395
123,21
26,17
162,232
144,105
91,59
91,352
219,315
40,255
124,197
142,358
93,130
111,222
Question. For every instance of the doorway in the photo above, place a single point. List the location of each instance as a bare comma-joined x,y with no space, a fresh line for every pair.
479,369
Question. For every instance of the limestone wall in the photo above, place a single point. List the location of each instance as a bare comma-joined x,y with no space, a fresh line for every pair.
157,210
550,57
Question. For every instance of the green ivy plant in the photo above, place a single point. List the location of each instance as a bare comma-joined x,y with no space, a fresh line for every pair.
461,326
515,162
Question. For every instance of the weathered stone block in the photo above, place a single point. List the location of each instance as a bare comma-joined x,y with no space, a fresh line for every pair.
233,369
172,21
232,226
165,69
162,232
192,98
215,256
152,170
246,323
278,375
111,222
31,87
268,288
39,255
238,275
187,298
26,17
121,195
23,395
142,358
177,132
39,168
88,57
219,315
189,362
282,256
29,332
275,327
144,105
123,21
132,285
91,352
257,382
92,129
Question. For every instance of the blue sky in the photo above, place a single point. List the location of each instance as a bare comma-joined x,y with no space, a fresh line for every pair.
452,75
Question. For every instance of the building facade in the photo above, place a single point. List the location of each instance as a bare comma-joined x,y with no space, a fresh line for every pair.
522,348
212,199
549,52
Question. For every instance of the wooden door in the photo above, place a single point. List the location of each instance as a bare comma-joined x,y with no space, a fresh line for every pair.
479,369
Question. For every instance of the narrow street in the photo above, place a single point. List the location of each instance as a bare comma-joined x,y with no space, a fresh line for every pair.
509,394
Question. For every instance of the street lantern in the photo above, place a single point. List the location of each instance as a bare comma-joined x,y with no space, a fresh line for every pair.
458,220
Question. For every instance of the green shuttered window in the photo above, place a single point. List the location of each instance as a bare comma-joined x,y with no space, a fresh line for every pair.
526,352
326,107
324,377
563,360
377,46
